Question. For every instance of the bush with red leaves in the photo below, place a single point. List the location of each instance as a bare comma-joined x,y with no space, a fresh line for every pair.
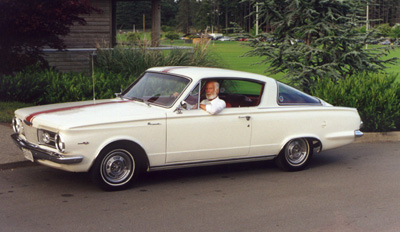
27,26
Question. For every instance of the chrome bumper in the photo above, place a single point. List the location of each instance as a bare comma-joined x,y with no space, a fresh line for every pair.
358,133
42,154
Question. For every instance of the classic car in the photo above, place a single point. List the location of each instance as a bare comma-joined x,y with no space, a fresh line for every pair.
156,124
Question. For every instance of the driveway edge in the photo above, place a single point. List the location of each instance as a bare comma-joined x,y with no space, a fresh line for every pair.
377,137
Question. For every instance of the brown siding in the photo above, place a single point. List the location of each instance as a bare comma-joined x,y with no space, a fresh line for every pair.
69,61
97,31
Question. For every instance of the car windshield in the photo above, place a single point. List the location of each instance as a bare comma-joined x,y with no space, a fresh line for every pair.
157,88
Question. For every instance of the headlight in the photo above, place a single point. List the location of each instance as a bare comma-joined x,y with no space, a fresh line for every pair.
46,137
17,125
60,145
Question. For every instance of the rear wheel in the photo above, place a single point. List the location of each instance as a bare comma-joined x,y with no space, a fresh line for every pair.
295,156
116,168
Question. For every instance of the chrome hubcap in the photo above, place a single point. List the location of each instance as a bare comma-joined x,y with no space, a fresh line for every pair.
297,152
117,167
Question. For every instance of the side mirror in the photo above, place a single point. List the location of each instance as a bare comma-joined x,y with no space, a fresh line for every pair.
184,105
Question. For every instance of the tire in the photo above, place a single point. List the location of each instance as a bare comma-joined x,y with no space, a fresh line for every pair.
117,167
295,156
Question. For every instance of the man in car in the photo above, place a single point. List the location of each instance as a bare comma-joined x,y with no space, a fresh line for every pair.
212,104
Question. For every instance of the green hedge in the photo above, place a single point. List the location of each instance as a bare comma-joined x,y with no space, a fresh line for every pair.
132,61
376,96
114,70
50,86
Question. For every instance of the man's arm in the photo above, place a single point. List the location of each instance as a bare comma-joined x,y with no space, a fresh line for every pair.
214,107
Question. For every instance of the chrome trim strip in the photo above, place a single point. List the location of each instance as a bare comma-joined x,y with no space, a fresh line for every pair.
358,133
210,163
42,154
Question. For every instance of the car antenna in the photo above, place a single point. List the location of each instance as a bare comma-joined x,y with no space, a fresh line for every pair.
93,79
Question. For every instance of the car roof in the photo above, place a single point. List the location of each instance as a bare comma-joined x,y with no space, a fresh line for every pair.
197,73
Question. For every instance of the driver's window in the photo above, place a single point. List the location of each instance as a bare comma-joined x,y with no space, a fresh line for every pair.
192,100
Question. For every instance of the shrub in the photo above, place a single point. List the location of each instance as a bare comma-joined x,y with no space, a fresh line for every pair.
51,86
171,35
24,86
133,37
396,32
132,61
376,96
384,30
166,28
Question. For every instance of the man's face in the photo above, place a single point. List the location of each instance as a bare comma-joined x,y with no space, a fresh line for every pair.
211,92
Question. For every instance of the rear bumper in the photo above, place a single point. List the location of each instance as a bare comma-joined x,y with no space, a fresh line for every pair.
358,133
42,154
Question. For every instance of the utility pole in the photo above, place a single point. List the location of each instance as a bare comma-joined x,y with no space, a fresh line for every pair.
256,18
367,25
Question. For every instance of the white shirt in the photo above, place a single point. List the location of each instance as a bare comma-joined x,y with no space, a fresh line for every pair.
214,106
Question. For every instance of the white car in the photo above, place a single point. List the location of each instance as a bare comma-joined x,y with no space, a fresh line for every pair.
155,124
225,38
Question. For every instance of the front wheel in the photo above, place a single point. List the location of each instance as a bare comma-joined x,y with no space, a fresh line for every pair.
116,168
295,156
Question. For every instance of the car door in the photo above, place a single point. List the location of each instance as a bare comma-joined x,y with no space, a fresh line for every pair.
195,135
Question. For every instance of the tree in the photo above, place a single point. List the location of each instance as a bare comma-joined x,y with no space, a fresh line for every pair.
314,39
27,26
169,8
384,11
184,17
129,14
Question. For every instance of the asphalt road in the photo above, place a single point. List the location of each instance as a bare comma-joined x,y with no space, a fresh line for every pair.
354,188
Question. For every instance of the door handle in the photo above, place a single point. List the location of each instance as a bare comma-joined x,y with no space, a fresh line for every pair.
246,117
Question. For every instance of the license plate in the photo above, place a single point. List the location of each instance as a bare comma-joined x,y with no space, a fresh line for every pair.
28,154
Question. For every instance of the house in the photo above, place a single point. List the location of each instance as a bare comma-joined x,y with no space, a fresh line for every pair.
100,29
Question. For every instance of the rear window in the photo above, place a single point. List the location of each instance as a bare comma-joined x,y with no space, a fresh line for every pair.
290,96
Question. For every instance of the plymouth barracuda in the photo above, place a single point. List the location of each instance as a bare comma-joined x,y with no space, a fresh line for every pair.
161,121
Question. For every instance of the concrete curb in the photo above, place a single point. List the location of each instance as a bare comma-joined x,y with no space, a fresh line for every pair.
378,137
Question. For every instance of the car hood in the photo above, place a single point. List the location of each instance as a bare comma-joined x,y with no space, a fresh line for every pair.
88,113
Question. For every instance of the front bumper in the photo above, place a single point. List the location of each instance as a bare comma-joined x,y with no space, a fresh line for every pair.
39,153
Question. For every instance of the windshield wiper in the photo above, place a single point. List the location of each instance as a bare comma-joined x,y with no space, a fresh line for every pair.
137,99
141,100
119,95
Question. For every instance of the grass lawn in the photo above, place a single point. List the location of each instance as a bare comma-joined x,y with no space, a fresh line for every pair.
231,56
394,68
7,110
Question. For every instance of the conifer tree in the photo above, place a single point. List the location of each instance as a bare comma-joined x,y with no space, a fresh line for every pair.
314,39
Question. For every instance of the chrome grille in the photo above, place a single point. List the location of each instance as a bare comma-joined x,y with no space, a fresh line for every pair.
30,133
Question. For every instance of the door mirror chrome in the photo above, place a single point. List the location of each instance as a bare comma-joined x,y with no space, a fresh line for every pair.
184,105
